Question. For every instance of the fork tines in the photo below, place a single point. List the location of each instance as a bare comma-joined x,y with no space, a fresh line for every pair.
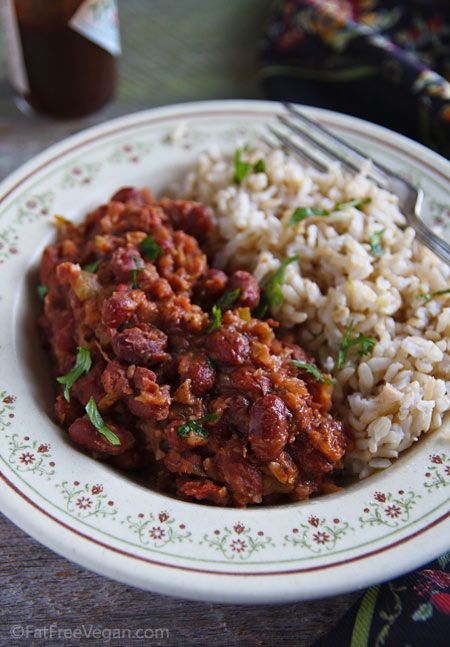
320,147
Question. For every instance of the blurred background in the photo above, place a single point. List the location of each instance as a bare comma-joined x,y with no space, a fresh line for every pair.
172,51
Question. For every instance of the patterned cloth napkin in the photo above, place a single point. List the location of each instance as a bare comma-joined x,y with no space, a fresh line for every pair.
411,611
383,60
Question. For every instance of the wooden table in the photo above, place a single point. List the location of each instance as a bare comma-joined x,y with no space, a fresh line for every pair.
174,50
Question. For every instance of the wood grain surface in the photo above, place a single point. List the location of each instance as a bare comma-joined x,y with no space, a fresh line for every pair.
174,51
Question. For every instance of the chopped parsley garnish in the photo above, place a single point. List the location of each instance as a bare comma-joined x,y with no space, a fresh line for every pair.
196,426
339,206
271,292
216,320
42,291
211,363
92,267
375,243
83,363
432,295
260,166
301,213
228,298
150,248
138,267
365,343
240,168
312,369
98,422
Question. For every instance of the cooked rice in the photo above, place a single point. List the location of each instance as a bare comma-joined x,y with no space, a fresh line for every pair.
402,387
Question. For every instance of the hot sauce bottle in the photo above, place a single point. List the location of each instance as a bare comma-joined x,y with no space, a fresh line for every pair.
62,54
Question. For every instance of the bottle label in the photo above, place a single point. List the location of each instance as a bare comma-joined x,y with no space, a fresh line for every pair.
16,64
98,20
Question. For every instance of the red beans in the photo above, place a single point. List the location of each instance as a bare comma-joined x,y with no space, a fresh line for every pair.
223,416
228,347
89,386
210,286
194,218
152,403
248,286
204,489
143,344
114,380
85,434
143,378
268,432
120,306
128,194
250,381
197,369
242,478
124,260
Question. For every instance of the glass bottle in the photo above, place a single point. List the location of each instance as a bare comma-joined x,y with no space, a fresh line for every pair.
62,54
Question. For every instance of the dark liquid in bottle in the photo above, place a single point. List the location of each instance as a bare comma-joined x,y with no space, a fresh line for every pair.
68,75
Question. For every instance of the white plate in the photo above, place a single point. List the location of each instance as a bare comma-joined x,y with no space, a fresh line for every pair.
82,509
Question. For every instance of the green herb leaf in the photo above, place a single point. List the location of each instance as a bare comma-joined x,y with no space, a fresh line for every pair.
260,166
432,295
92,267
312,369
139,267
195,426
211,363
228,298
150,248
301,213
240,168
339,206
375,243
216,320
42,291
271,292
365,343
98,422
83,363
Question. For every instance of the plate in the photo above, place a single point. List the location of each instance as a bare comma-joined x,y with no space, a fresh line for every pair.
374,530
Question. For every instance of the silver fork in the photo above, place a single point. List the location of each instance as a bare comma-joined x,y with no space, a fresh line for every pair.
332,148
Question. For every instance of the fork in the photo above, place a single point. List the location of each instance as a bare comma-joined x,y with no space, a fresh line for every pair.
332,148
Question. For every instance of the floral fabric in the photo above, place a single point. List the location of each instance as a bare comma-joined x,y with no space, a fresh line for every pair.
382,60
412,611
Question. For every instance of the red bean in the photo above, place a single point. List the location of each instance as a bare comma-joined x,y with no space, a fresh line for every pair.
128,194
120,306
152,403
143,378
194,218
124,260
67,412
228,347
248,286
210,286
89,386
242,478
204,489
197,369
115,381
250,381
85,434
143,344
268,432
